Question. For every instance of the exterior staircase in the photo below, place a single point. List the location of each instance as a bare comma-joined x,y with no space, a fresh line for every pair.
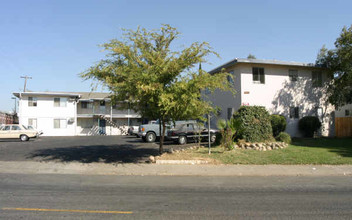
109,121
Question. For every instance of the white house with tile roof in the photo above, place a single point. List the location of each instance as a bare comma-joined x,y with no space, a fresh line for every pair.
291,89
74,113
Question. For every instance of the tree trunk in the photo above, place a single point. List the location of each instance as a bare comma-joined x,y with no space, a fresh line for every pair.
162,136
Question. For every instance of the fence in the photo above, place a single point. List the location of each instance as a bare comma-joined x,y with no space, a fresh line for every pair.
343,127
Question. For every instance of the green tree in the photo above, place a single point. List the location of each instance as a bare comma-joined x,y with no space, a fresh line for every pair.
338,62
251,56
158,82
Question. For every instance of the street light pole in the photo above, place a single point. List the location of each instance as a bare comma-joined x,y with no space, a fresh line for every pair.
15,104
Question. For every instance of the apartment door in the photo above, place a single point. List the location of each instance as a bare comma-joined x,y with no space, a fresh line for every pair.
102,126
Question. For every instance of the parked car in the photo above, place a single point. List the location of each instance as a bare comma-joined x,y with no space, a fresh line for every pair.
8,131
133,130
149,132
30,127
186,132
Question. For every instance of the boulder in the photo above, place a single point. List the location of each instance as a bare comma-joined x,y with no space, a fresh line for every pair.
152,159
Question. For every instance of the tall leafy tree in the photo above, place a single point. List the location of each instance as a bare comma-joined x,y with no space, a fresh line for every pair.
162,83
338,62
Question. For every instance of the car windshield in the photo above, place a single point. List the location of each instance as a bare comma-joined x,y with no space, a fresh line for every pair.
25,127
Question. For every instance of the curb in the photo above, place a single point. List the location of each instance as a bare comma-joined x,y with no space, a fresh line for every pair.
191,162
29,167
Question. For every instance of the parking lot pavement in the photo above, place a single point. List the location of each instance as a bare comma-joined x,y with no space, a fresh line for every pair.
84,149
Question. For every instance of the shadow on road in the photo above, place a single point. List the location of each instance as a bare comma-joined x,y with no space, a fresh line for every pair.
96,153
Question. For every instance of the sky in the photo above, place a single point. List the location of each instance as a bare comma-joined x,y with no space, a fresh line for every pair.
54,41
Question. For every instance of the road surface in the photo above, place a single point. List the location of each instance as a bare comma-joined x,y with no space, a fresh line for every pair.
51,196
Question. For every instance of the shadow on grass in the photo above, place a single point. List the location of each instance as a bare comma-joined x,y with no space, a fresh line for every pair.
96,153
341,146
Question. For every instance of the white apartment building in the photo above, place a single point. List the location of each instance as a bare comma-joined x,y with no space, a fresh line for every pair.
291,89
74,113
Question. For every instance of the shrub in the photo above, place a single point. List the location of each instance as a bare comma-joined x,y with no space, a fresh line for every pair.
227,130
253,124
308,125
278,123
284,137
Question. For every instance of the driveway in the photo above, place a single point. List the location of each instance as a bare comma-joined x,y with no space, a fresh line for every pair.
87,149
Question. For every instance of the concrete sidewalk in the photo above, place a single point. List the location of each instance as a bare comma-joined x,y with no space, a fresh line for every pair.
28,167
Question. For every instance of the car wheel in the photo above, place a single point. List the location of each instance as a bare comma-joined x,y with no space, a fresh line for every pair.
24,137
212,138
182,140
150,137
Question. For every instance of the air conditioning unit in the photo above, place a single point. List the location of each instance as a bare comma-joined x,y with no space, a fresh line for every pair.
70,120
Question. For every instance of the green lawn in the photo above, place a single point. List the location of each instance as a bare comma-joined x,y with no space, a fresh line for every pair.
301,151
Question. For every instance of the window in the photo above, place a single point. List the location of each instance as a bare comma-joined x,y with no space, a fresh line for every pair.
293,75
294,112
317,79
319,112
32,122
86,105
60,123
60,102
16,128
229,113
190,127
230,79
32,101
258,75
347,112
6,128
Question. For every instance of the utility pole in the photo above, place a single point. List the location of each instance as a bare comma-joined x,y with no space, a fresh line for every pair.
25,81
209,144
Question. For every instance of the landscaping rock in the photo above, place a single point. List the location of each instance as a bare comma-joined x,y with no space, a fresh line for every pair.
262,146
152,159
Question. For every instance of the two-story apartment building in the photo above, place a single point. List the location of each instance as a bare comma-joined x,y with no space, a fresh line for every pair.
74,113
291,89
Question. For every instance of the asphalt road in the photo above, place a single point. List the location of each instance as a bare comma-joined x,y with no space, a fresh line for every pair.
138,197
86,149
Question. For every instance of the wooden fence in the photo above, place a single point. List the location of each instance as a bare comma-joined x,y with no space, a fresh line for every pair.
343,127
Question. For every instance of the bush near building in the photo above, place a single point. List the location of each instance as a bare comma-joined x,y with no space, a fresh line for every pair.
278,123
308,125
284,137
253,124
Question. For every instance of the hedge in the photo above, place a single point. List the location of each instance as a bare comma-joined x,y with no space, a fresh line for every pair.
254,124
308,125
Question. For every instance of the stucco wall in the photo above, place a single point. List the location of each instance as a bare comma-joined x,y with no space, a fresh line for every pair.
225,100
341,111
45,113
278,94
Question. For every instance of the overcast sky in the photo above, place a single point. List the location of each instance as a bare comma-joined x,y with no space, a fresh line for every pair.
53,41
